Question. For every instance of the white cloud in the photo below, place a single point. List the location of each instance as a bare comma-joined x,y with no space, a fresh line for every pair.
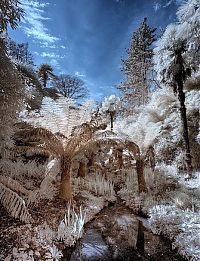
156,6
159,4
55,63
51,55
168,3
34,22
78,74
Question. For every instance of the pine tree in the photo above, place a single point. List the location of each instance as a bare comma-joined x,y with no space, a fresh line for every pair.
137,67
10,14
19,53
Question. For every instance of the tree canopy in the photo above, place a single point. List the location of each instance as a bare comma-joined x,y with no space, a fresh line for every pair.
71,87
10,14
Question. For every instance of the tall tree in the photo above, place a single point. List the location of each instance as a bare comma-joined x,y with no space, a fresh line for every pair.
45,71
176,56
71,87
10,14
11,89
111,106
138,66
11,92
180,74
19,53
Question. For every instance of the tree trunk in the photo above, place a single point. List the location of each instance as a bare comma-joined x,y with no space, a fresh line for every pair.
140,237
120,158
65,186
82,170
90,161
181,97
111,120
140,174
180,74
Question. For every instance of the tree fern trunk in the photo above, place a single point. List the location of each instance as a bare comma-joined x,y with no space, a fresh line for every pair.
90,162
65,186
181,97
140,237
82,170
140,174
111,120
120,158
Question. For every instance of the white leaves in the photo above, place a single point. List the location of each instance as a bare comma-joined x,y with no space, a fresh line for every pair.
71,227
188,10
97,184
181,226
187,31
45,235
22,255
111,103
54,254
61,116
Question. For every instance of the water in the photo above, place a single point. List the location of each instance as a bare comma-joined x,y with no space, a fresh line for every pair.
117,234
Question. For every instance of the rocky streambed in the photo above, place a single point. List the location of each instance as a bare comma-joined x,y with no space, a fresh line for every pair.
118,234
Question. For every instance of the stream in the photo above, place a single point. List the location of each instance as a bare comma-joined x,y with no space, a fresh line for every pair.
118,234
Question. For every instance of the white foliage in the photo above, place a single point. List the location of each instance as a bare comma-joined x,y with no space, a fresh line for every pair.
22,255
97,184
19,168
71,227
181,226
144,127
60,116
159,124
47,190
53,254
187,30
45,235
101,186
189,11
111,103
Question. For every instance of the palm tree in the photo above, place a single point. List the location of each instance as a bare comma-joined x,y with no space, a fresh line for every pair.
44,72
180,74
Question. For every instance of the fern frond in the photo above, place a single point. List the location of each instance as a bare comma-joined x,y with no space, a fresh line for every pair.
13,185
14,204
39,141
35,151
133,148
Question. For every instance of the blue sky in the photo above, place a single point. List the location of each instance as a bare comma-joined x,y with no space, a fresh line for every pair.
88,38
